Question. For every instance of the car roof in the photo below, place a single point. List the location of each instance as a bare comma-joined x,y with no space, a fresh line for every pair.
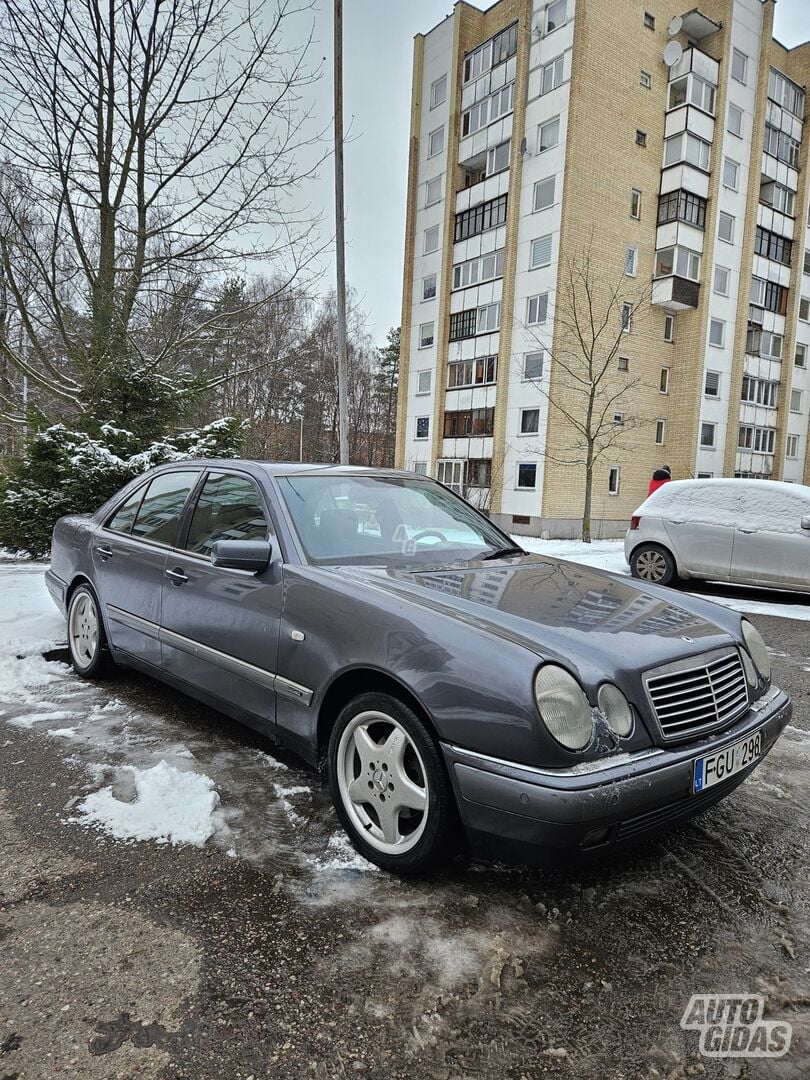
288,468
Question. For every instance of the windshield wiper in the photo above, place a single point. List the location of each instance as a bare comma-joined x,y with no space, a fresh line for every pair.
499,553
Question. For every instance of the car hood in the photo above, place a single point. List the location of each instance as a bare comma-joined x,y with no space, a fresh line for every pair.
595,621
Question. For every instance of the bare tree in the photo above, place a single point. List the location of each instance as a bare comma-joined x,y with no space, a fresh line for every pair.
593,312
145,146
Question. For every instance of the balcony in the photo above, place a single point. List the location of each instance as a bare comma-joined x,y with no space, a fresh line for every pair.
675,293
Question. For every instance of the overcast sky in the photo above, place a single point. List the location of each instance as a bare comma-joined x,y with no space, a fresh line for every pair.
378,50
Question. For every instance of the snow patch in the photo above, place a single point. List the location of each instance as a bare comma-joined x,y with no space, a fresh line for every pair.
340,855
170,807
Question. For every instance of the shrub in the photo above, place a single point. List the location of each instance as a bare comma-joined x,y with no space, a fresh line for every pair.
70,472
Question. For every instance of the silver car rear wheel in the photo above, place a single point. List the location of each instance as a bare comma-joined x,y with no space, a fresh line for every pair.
383,782
653,563
87,643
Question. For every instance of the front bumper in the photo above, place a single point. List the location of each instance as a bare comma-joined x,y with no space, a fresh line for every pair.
551,815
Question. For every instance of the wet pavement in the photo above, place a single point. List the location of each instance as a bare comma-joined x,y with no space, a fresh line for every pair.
273,951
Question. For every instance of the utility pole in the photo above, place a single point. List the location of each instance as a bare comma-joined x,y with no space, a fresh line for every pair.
340,250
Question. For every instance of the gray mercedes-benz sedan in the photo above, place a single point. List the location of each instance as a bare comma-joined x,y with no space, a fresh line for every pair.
453,686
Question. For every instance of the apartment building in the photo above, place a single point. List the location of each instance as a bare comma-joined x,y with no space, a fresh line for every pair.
668,145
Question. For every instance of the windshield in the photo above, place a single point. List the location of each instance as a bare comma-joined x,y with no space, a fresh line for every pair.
385,520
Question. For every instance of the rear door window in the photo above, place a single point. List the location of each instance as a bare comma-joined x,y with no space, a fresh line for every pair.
158,516
229,507
123,518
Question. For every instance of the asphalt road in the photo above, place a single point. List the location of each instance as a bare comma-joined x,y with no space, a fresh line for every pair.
146,960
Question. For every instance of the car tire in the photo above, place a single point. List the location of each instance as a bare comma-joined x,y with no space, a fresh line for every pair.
87,641
381,752
655,564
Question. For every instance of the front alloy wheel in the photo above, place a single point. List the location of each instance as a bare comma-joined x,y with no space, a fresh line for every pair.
87,643
389,786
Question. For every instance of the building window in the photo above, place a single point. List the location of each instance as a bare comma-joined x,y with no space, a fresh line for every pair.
422,427
420,468
767,295
725,227
451,473
792,446
480,372
468,422
618,418
630,260
777,196
660,430
649,20
480,218
635,203
759,439
532,366
527,475
614,479
544,193
721,278
431,240
785,93
735,120
796,401
425,335
678,260
804,309
707,434
624,363
800,356
555,15
682,206
479,472
765,343
692,90
540,252
438,91
488,110
705,475
498,158
548,135
759,391
806,269
688,148
429,287
641,137
489,319
433,191
669,328
645,80
773,246
529,421
436,142
717,332
462,324
781,146
663,382
521,519
537,309
711,384
739,65
731,174
552,75
478,270
627,317
424,378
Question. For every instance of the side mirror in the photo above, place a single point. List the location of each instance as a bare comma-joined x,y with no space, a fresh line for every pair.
805,522
253,555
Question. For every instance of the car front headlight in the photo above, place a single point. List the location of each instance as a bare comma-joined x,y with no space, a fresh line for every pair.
563,707
758,650
616,708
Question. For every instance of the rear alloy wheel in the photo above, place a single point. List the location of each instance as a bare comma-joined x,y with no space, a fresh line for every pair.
651,562
87,642
389,786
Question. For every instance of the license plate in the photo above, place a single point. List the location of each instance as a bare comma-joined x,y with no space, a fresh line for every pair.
715,768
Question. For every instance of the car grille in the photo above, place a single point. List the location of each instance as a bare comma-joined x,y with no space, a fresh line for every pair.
688,698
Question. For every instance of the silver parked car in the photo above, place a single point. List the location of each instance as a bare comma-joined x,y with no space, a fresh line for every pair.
752,532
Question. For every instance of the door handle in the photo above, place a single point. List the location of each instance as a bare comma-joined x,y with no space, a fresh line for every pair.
745,530
104,553
676,522
177,575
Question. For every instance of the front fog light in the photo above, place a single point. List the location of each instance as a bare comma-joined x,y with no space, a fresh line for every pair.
758,650
563,707
616,708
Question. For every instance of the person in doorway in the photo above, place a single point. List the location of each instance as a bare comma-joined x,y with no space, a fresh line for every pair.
659,477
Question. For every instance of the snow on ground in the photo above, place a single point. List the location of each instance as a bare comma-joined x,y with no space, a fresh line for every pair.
609,555
168,806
